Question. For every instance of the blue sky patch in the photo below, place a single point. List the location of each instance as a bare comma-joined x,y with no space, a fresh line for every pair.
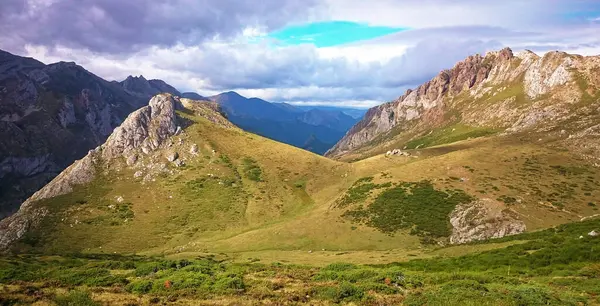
330,33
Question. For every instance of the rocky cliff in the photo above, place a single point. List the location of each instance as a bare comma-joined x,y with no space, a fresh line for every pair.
51,115
501,90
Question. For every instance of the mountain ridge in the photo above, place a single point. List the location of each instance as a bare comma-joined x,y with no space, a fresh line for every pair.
51,115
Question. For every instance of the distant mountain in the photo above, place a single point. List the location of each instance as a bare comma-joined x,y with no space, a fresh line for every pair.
50,116
356,113
193,96
147,88
315,130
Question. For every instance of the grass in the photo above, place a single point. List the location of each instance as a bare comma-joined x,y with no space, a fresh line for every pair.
551,267
252,170
449,134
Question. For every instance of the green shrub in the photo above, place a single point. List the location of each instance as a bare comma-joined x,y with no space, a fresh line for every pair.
412,205
344,292
76,298
229,283
140,287
252,170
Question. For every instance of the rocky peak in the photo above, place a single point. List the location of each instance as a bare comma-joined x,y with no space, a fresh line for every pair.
143,131
146,128
473,78
50,116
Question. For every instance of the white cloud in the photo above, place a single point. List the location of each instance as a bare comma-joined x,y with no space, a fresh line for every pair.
360,73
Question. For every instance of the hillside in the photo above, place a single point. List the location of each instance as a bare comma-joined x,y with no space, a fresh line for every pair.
550,99
51,115
177,177
181,206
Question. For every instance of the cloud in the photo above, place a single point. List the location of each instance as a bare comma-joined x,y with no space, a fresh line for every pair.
123,26
211,46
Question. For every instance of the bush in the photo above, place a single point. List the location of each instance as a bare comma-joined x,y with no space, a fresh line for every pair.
252,170
345,292
140,287
412,205
229,283
76,298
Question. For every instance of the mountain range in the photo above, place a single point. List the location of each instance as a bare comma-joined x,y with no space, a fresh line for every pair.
482,183
52,115
498,145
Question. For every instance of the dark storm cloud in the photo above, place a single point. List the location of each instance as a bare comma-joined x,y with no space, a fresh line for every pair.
121,26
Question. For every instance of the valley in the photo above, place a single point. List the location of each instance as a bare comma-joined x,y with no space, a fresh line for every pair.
181,205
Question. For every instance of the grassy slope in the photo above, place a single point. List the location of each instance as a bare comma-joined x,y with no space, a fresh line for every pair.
255,200
552,267
288,210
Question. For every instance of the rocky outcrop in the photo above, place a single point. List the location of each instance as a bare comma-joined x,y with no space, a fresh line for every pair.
143,132
500,90
481,220
50,116
145,129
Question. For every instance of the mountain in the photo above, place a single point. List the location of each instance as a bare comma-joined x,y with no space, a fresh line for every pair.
286,123
179,205
355,113
139,86
193,96
51,115
551,98
176,166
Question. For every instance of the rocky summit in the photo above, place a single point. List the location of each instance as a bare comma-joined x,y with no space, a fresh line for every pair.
144,131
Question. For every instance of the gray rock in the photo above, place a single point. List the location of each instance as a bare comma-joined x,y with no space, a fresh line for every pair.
172,156
194,149
481,220
131,160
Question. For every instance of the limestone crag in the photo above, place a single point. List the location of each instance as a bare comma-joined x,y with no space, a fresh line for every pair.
144,131
499,90
481,220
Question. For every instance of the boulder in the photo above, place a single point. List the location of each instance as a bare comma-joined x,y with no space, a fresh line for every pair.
194,149
172,156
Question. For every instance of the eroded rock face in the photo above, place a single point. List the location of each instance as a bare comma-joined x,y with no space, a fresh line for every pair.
144,130
483,219
535,90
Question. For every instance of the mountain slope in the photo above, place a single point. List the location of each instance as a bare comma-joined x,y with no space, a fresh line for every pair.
285,123
209,178
177,177
50,115
555,95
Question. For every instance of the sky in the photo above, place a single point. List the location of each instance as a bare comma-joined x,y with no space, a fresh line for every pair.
350,53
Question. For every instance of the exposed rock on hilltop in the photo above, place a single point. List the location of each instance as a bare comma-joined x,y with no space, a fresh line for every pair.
51,115
142,133
482,220
523,92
